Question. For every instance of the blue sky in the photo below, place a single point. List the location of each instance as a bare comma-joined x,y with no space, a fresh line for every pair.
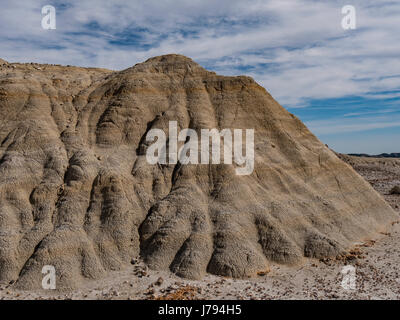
344,84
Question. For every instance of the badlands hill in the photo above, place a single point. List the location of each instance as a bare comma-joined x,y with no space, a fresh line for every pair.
76,191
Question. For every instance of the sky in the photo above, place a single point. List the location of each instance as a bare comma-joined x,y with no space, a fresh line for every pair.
344,84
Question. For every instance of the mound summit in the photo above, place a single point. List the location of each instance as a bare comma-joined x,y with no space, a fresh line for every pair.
76,191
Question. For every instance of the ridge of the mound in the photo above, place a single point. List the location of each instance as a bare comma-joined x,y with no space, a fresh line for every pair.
77,193
169,64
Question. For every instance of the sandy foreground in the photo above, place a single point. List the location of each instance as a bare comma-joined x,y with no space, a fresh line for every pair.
376,262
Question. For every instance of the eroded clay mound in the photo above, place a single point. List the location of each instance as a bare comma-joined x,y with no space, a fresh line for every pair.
76,191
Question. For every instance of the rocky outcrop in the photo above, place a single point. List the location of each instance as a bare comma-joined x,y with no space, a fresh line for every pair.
76,191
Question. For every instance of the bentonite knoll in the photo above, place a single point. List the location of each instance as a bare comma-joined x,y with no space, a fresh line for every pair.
77,193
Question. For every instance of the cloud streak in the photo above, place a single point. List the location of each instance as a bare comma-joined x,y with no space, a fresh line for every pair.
326,127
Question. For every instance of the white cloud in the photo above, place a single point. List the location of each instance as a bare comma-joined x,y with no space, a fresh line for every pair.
334,126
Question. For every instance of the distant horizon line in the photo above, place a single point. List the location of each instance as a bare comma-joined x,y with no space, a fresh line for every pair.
381,155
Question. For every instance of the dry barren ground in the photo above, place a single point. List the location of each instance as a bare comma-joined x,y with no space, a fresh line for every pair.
377,263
